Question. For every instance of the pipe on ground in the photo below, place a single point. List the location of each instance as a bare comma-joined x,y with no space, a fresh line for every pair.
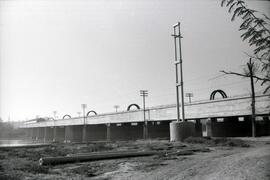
92,157
73,158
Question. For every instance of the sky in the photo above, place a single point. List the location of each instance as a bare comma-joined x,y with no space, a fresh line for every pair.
58,54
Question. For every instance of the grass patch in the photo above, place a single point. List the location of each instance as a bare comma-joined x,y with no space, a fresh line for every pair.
93,169
9,176
96,147
89,171
217,141
26,166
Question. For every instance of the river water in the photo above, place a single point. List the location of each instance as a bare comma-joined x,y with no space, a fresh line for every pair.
15,142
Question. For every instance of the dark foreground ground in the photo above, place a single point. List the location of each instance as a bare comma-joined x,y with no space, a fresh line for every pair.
215,158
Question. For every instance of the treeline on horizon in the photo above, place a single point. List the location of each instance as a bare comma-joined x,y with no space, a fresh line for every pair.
7,131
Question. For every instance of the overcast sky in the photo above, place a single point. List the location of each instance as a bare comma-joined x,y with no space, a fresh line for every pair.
58,54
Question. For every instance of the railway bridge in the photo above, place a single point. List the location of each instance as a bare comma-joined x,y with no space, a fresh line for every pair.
228,117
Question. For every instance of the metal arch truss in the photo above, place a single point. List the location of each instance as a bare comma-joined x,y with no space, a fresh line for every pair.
136,105
91,112
223,94
66,116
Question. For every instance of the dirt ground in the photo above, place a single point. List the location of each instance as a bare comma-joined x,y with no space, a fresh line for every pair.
207,158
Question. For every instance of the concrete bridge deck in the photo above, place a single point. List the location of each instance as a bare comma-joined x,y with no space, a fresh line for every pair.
228,107
223,117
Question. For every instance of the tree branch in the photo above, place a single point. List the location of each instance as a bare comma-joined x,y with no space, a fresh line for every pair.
255,17
246,75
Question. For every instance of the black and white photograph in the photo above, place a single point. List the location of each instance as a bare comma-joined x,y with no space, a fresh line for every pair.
134,89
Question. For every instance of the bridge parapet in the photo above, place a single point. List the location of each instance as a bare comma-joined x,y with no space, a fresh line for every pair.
129,116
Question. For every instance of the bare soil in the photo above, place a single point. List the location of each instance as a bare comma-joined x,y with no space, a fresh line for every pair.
207,158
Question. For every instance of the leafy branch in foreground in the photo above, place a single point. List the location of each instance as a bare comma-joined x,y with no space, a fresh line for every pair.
256,31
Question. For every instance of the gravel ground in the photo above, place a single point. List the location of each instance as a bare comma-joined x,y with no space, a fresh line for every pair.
214,158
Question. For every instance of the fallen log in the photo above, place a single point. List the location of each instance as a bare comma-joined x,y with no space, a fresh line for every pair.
92,157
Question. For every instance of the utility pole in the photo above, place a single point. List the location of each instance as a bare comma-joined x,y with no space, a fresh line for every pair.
116,107
84,133
54,114
253,116
84,106
189,95
144,93
178,66
54,127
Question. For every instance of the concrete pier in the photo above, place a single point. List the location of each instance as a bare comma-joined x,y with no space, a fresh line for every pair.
59,134
126,131
73,133
145,130
33,133
263,126
208,124
48,134
198,128
108,131
229,127
95,133
181,130
41,134
160,129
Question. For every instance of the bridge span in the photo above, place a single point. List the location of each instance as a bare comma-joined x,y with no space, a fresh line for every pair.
222,117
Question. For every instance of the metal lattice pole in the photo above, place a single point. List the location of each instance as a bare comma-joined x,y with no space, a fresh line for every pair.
178,66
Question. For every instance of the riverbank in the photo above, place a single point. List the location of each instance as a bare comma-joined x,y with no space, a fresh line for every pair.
214,157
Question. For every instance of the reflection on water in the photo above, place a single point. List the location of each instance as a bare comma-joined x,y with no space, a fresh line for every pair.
15,142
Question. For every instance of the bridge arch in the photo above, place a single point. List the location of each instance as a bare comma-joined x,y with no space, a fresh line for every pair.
66,116
223,94
136,105
91,112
